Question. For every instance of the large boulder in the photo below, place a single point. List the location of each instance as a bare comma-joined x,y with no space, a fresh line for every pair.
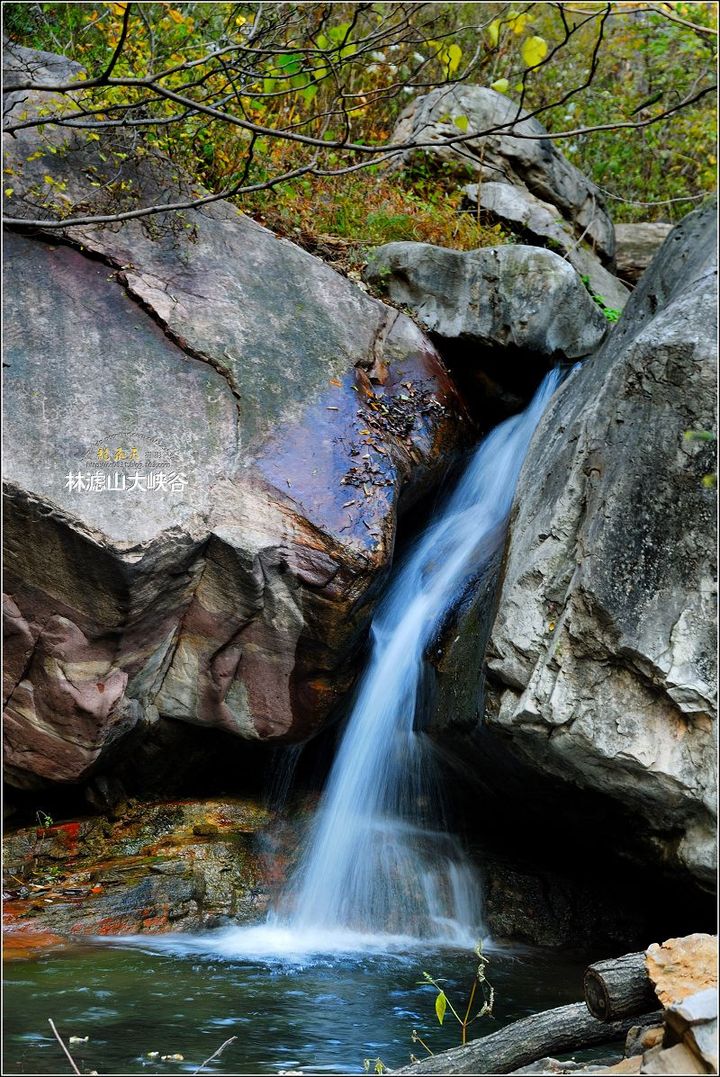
600,660
207,435
515,151
542,224
512,298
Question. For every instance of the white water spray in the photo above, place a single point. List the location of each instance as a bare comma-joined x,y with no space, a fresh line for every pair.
375,865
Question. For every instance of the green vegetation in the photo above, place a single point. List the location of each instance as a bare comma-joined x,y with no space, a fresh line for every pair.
473,1010
611,313
289,108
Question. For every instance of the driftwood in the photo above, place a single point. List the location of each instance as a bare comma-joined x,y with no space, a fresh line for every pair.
619,987
568,1028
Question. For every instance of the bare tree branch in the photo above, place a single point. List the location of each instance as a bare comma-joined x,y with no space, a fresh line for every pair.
59,1038
165,207
216,1054
224,83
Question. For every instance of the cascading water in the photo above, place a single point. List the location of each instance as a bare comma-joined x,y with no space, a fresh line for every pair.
379,872
375,864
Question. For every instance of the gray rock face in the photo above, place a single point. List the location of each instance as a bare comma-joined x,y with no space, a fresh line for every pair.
543,224
533,165
603,641
517,297
207,434
637,245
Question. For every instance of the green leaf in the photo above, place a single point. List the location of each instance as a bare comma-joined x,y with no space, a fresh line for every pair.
290,64
441,1006
501,85
699,435
462,123
339,32
534,50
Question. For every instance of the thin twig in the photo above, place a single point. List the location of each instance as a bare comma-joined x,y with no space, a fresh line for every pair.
219,1051
59,1038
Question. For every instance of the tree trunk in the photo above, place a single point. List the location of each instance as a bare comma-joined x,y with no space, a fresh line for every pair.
619,988
568,1028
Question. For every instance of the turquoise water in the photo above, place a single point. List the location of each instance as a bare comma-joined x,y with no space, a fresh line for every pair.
317,1014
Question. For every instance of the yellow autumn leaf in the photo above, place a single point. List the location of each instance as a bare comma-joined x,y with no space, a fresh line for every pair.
517,23
454,55
240,20
534,50
501,85
493,32
176,16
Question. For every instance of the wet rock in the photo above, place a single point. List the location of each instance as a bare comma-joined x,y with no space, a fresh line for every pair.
541,223
175,866
532,165
208,433
600,651
515,297
636,246
547,907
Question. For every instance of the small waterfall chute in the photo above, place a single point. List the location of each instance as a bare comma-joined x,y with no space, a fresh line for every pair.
374,864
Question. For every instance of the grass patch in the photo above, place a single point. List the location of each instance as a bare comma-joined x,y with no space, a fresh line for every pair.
341,217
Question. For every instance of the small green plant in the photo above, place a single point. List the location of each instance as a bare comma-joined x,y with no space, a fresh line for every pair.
699,435
443,1003
43,819
611,313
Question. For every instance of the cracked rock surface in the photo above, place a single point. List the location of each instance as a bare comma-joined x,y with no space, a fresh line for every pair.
221,568
602,648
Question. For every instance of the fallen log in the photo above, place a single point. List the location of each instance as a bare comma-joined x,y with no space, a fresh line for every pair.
619,987
567,1028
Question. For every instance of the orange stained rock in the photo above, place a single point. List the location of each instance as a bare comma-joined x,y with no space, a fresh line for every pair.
679,968
21,942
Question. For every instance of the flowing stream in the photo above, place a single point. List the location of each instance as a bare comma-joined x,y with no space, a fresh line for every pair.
379,861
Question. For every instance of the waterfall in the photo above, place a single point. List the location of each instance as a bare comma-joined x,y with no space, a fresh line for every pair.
378,860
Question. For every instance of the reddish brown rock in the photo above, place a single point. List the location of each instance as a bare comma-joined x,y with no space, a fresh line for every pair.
175,866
